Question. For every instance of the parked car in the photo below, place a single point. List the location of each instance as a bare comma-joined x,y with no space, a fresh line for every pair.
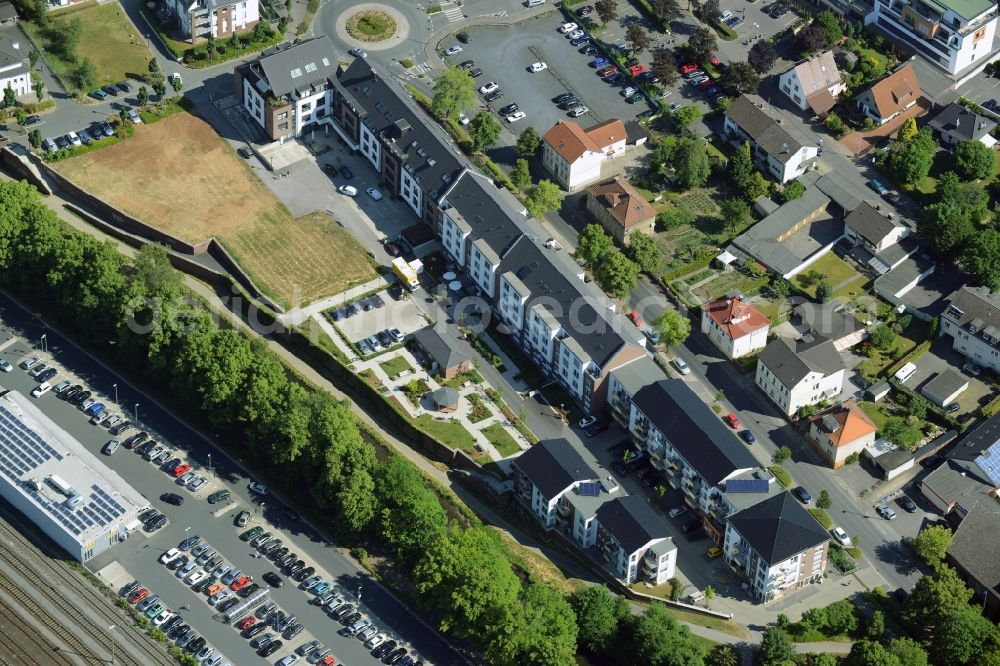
733,421
909,505
841,537
748,436
454,49
885,511
802,494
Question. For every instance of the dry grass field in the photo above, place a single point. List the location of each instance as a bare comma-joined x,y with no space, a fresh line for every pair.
181,177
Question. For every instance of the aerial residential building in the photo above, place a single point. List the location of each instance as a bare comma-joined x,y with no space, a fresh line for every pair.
15,66
973,552
8,14
874,228
776,546
544,474
972,319
945,387
633,541
952,35
218,19
841,431
969,474
831,321
798,373
891,95
448,357
814,83
59,485
735,326
775,142
620,209
956,124
574,155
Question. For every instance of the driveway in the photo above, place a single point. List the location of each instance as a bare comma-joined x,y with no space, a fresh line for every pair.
860,142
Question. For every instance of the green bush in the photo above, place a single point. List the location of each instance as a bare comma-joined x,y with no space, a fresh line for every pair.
821,517
781,474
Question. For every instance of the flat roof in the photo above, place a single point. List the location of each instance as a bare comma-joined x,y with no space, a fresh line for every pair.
53,471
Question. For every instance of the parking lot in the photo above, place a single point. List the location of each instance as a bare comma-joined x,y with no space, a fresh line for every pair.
214,522
371,316
504,54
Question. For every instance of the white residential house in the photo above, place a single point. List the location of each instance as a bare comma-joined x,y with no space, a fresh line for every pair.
15,67
201,19
544,474
813,84
891,95
874,226
775,143
952,35
972,319
956,124
631,538
797,373
574,155
735,326
841,431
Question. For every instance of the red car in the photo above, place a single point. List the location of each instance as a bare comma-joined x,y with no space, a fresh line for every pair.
607,71
240,583
246,622
181,470
636,318
688,68
733,422
705,85
138,595
714,59
637,69
326,661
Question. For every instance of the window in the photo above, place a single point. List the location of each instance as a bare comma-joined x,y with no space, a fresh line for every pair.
283,115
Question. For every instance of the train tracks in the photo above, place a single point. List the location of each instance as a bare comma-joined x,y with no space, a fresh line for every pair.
46,588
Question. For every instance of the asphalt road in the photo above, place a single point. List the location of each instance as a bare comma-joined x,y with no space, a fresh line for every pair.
138,554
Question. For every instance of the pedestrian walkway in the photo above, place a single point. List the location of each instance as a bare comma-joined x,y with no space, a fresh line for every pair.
296,316
453,12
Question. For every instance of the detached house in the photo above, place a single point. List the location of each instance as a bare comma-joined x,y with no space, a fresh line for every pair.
973,553
972,319
813,84
841,431
797,373
735,326
620,209
201,19
775,142
874,228
15,67
956,124
574,155
970,473
890,96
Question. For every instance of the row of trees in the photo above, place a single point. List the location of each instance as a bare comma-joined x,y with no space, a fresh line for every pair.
139,312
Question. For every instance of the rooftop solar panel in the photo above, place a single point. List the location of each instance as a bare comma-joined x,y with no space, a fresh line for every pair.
746,486
589,489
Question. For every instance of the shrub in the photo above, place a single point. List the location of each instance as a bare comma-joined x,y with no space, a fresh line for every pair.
781,474
821,517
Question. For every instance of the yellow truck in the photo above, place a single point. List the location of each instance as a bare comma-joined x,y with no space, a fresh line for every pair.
404,271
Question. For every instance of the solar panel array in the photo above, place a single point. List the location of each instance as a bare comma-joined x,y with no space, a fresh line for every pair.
746,486
589,489
989,462
22,450
100,511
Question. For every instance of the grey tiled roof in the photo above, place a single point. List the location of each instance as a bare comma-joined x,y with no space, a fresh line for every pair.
962,123
767,126
976,544
638,373
974,304
288,67
631,522
792,360
870,222
761,240
442,346
553,465
778,528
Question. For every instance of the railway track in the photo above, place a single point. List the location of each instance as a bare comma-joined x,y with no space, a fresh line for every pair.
52,579
22,642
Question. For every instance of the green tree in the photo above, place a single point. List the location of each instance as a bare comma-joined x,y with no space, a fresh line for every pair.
931,544
22,117
617,275
520,175
642,249
528,143
454,91
899,432
841,617
869,653
882,337
160,88
823,501
484,130
540,629
84,74
740,78
176,83
908,130
908,651
776,648
780,287
793,190
824,290
64,37
741,165
665,10
762,57
831,26
735,214
973,160
142,96
690,162
637,38
724,655
411,517
981,258
9,97
701,43
933,597
756,186
686,115
592,244
946,227
875,628
543,198
782,454
664,66
822,660
657,638
606,10
911,161
673,327
153,66
39,88
962,637
356,501
210,48
599,616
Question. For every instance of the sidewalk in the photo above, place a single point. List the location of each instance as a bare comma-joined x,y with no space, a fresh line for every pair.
296,316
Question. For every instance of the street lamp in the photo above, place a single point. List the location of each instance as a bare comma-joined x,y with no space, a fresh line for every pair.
44,342
111,635
115,386
136,410
210,464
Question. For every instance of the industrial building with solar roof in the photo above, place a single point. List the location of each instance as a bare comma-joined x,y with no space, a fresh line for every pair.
50,477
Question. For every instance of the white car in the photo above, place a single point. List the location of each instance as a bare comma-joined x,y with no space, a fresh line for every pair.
567,28
5,366
374,193
74,138
162,617
576,34
219,596
462,118
841,536
258,488
452,50
517,115
725,16
169,555
681,366
678,511
195,577
348,190
289,660
375,641
629,90
588,421
488,88
134,117
196,483
186,479
537,67
41,389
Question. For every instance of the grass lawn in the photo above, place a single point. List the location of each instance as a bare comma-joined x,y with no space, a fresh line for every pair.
877,413
500,438
873,366
109,41
451,433
831,268
732,628
394,366
197,187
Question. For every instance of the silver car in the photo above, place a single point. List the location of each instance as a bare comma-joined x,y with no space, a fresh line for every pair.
187,478
196,483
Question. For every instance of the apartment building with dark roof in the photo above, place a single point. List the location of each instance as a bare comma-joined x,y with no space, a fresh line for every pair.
972,319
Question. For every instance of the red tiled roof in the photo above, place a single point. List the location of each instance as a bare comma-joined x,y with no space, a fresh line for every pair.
621,200
570,141
851,423
736,317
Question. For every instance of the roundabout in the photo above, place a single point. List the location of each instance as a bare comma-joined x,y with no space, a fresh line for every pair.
372,26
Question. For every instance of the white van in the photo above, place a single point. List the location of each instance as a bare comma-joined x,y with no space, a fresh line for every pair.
905,372
534,3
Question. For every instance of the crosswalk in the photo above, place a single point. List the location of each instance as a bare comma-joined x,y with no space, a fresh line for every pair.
452,11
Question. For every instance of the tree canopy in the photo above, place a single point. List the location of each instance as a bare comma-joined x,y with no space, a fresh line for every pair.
543,198
484,130
642,249
673,327
592,244
973,160
454,91
528,143
617,275
690,162
599,615
931,543
762,57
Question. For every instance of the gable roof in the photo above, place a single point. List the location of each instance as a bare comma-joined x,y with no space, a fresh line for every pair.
11,57
693,429
737,318
816,76
778,528
829,320
792,360
570,141
962,123
623,203
764,241
631,522
767,126
289,67
442,346
867,219
844,423
7,12
975,545
553,465
896,91
976,306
